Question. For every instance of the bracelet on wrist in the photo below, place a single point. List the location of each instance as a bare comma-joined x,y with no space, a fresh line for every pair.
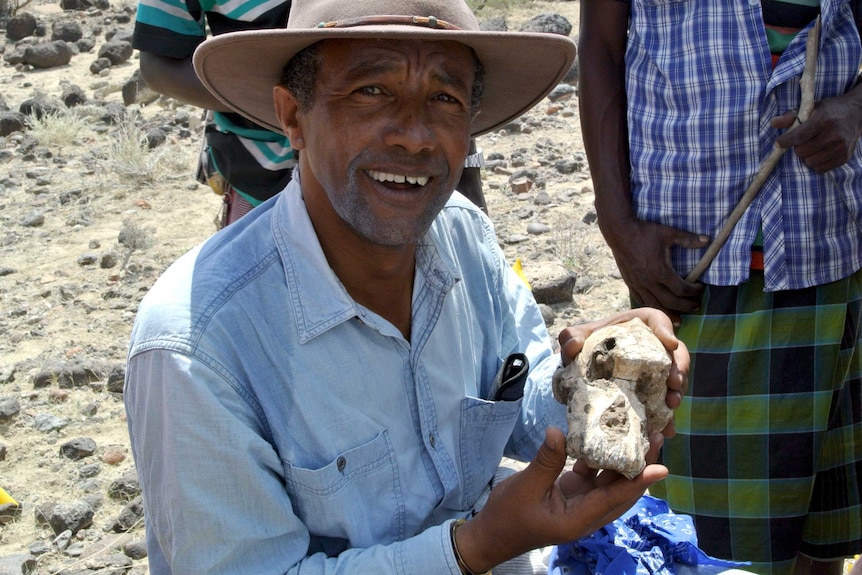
458,559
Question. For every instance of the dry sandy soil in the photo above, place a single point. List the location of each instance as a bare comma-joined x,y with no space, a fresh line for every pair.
67,299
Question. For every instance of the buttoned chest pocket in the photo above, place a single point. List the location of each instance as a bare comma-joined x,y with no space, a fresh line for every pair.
486,428
355,497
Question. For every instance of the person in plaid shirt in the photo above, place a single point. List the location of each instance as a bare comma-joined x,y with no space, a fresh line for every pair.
680,101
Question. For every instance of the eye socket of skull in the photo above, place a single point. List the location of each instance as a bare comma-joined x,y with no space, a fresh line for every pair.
601,365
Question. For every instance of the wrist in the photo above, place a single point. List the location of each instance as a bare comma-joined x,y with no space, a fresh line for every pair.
463,564
615,223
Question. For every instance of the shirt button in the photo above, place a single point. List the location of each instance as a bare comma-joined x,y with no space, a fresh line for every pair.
432,441
341,463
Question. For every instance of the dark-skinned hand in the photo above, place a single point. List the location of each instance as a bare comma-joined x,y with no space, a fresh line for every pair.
642,253
539,506
828,138
572,341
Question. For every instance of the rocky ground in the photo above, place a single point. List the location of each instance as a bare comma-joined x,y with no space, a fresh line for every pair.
98,198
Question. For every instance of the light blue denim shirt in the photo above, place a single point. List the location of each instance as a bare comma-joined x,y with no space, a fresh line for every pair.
278,426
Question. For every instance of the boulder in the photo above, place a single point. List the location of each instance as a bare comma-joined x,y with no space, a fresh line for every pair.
20,26
116,51
48,54
68,31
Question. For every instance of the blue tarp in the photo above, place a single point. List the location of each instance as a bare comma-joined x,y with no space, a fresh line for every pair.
648,540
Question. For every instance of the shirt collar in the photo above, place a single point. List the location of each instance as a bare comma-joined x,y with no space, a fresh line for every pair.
319,299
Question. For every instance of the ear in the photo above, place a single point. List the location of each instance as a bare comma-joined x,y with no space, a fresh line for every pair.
287,112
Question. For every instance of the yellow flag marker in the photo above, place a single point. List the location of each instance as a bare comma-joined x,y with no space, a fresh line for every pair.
6,498
520,271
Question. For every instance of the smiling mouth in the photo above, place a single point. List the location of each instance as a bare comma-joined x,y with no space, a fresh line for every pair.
385,177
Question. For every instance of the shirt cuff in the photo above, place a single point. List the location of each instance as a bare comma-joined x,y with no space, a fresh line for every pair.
430,551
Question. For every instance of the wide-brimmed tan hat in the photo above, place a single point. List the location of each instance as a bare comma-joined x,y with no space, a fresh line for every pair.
241,68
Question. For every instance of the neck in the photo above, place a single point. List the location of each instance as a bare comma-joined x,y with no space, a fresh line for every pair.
378,277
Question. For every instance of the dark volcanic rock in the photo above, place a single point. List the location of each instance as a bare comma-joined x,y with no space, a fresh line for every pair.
549,23
85,4
98,65
11,122
116,51
68,31
78,448
67,375
73,95
136,91
41,106
72,516
9,408
48,54
20,26
126,486
130,516
86,44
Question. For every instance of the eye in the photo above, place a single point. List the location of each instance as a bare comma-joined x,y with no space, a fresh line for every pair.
447,98
450,99
370,90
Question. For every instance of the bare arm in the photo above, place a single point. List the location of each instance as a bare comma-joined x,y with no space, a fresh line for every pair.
176,78
601,50
641,249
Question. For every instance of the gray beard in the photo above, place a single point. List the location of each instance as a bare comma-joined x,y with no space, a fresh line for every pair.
356,213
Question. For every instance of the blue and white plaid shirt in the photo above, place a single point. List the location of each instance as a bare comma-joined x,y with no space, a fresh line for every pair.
702,91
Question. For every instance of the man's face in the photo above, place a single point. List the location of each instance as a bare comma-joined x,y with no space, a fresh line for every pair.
386,135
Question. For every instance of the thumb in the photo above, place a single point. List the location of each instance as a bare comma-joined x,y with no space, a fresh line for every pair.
551,458
690,241
785,120
571,343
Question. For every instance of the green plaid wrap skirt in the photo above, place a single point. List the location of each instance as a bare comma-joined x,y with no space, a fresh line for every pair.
768,453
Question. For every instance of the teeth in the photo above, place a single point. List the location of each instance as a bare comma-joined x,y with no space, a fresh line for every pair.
397,178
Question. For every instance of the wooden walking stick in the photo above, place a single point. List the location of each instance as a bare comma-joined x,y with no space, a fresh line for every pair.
806,105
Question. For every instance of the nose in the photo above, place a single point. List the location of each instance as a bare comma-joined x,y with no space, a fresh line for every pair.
411,128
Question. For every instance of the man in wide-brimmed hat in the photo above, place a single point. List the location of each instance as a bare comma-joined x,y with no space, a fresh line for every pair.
241,161
333,404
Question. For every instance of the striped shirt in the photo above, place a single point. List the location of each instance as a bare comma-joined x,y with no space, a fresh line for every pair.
784,19
702,91
257,162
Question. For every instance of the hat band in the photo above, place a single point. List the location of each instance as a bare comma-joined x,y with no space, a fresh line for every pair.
424,21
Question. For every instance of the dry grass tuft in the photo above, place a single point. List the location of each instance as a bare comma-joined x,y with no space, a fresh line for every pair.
134,237
129,160
574,244
60,129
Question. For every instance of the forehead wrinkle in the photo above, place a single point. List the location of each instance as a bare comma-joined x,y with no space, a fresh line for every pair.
382,63
387,61
369,68
451,81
